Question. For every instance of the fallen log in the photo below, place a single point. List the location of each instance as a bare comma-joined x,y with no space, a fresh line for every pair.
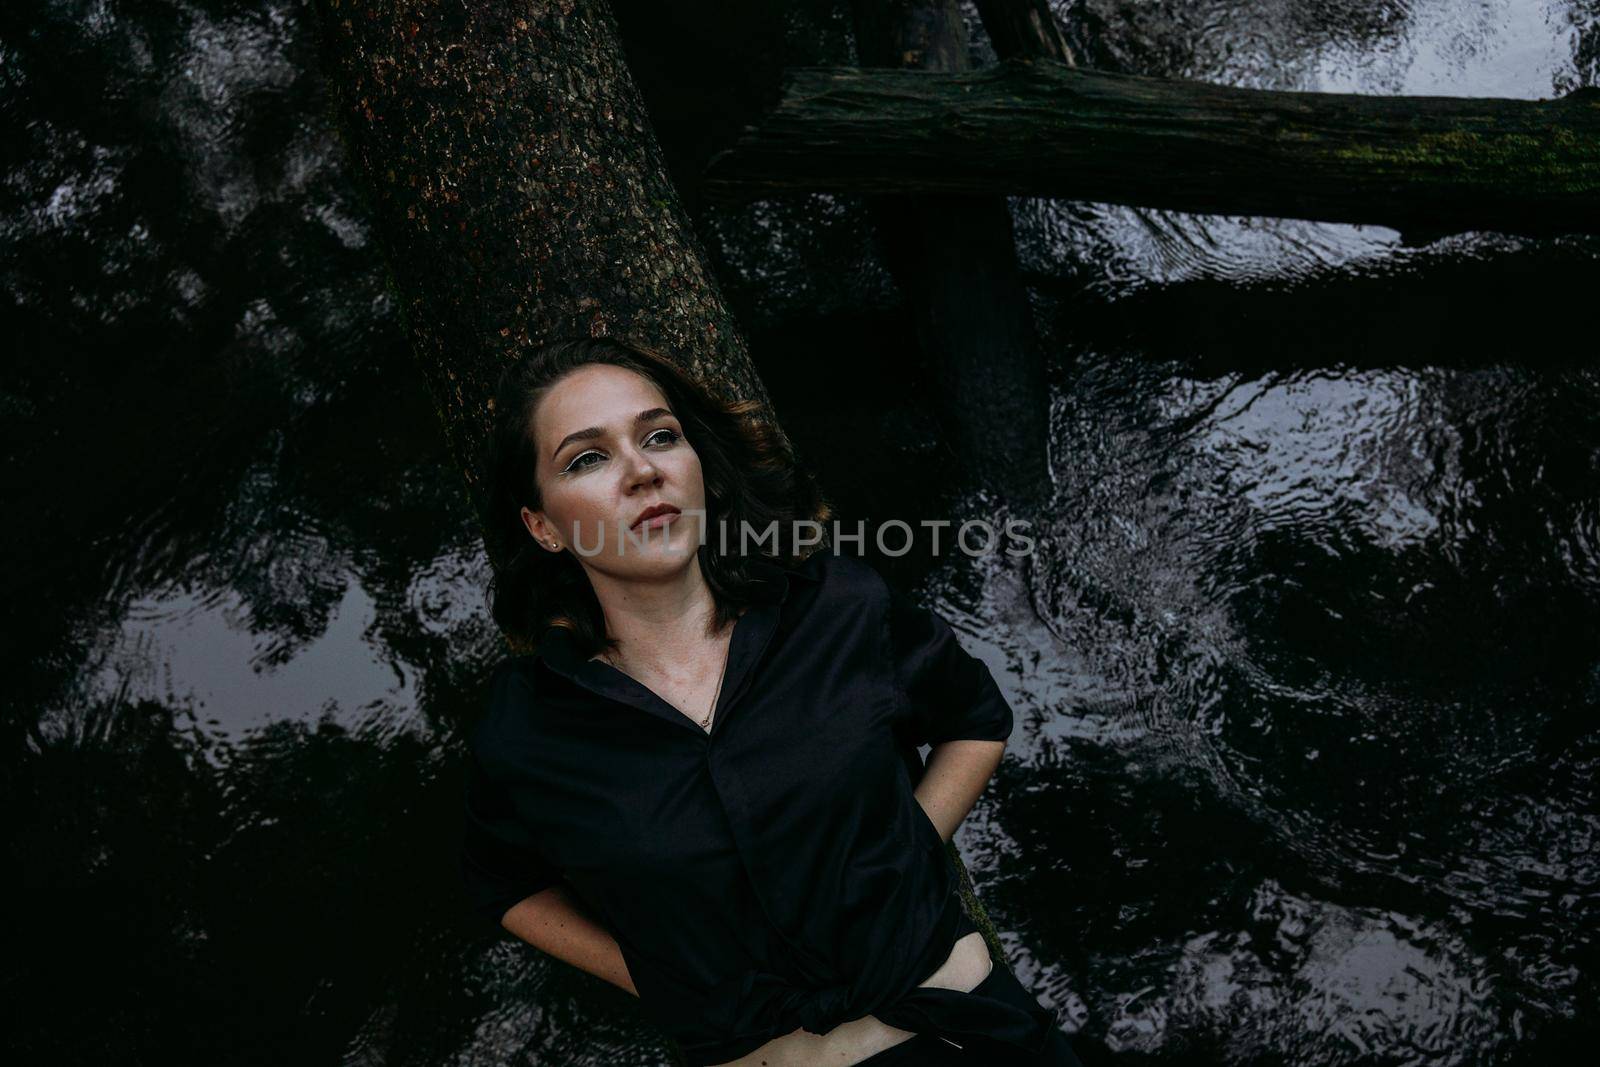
1040,128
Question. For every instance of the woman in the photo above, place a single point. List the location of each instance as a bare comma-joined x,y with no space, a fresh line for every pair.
704,786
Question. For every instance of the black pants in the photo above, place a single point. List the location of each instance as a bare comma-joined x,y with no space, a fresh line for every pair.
925,1049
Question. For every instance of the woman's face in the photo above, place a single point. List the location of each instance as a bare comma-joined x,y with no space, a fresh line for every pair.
609,449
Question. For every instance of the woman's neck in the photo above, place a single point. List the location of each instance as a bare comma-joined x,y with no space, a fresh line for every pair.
658,625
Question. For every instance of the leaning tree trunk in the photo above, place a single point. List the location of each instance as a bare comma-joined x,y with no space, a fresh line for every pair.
954,261
517,192
1025,28
1040,128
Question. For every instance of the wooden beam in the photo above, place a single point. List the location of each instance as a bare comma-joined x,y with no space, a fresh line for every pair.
1040,128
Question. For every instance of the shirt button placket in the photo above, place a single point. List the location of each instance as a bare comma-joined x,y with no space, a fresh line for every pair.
730,794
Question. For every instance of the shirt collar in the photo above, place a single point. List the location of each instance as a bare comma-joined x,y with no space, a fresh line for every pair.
770,589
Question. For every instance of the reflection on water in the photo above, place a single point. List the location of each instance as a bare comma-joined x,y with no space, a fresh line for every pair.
1304,665
1334,634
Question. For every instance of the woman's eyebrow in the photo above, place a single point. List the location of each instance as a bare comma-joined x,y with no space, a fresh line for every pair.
648,415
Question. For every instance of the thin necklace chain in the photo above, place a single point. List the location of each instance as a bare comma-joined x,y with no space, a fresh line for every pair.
705,723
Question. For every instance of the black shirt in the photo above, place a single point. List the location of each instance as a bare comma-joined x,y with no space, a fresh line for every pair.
776,871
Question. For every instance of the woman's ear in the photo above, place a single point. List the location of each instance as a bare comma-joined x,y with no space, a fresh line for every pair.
540,529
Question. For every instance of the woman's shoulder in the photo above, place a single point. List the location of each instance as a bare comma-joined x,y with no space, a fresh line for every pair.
845,575
508,696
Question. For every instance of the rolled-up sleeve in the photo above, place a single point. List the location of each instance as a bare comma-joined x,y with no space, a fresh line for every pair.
950,695
499,866
500,862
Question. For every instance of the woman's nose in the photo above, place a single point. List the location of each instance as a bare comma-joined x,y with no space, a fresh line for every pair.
640,470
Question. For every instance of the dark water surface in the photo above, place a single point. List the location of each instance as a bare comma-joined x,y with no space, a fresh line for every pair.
1306,665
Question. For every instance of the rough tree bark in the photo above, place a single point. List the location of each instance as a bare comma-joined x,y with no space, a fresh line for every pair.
517,192
1039,128
954,260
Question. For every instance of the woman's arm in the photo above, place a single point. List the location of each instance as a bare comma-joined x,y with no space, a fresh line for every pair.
952,704
552,922
955,776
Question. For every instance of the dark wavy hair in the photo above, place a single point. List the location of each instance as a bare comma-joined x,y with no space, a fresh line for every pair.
751,475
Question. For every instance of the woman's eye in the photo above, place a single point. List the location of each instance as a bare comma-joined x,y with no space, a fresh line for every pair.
577,463
671,437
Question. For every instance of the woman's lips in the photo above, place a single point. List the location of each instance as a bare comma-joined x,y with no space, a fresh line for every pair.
657,521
